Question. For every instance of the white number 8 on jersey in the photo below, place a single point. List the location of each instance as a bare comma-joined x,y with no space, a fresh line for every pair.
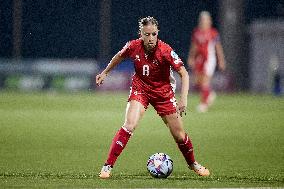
146,70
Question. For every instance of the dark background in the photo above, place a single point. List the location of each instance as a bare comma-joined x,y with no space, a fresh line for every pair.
70,29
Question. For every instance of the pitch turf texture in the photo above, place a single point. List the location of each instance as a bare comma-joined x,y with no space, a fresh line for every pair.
61,140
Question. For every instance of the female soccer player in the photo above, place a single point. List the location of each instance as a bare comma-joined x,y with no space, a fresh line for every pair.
153,61
205,45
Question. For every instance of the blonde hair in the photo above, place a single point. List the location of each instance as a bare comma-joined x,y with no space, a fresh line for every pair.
146,21
204,13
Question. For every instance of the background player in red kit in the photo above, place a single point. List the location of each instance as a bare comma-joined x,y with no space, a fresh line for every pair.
205,45
153,62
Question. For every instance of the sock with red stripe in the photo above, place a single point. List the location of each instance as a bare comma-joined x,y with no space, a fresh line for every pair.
186,149
118,144
205,91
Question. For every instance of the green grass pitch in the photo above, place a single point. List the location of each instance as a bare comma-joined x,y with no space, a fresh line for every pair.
50,140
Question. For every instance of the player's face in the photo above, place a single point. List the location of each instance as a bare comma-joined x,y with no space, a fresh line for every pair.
149,35
205,22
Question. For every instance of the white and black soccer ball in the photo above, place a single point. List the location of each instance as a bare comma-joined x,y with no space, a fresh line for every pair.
160,165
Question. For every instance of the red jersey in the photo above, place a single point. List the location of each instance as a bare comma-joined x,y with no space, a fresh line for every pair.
205,42
152,71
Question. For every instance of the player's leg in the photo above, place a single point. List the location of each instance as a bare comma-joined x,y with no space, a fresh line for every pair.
166,108
204,92
174,123
210,93
207,94
201,84
198,81
198,71
134,112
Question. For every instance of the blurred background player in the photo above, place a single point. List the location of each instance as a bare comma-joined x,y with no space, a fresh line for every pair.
205,51
153,61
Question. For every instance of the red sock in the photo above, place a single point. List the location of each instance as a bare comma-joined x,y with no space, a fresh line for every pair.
187,150
205,91
118,144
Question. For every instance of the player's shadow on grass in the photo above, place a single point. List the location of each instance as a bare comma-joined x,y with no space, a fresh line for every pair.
148,177
212,178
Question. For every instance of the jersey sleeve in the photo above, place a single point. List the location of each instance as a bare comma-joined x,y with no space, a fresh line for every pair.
216,36
126,50
173,59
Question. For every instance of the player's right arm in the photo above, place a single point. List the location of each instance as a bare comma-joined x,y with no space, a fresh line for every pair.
191,55
121,55
114,61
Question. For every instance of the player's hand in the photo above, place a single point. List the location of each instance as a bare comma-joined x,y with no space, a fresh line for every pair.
181,108
222,67
100,78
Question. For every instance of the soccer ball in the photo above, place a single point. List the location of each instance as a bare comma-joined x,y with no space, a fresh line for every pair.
160,165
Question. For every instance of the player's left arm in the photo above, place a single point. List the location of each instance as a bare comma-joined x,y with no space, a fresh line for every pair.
182,104
220,56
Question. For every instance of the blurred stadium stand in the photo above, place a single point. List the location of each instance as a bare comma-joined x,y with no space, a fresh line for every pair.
47,74
57,44
267,54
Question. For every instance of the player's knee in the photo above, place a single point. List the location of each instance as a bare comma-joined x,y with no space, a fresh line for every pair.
130,125
179,137
204,85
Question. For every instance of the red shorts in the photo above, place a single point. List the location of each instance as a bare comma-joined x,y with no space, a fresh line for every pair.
199,68
163,102
206,67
